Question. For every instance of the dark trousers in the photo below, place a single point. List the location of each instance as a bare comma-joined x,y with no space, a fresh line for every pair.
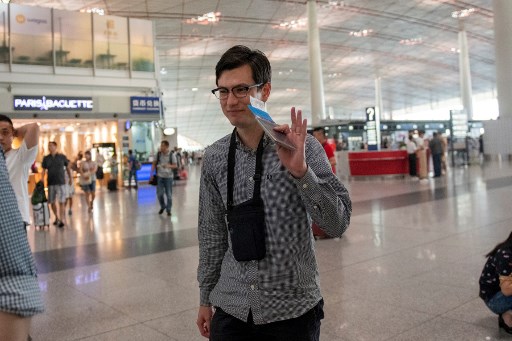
412,164
133,174
436,160
225,327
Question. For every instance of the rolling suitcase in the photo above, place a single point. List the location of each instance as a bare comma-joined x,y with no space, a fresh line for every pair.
112,185
41,215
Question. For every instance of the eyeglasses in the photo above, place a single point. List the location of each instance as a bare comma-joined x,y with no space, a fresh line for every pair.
240,91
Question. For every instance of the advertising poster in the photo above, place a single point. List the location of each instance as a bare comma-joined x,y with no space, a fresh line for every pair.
31,35
111,42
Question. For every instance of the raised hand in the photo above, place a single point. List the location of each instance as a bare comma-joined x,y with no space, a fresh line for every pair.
294,160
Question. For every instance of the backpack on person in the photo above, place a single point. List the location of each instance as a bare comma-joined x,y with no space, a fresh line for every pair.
137,165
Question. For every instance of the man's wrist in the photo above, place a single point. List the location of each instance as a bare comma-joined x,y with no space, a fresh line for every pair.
300,174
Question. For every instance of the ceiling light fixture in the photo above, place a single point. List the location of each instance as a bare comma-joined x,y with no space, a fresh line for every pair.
292,24
95,10
412,41
6,1
333,4
362,33
163,71
463,13
169,131
205,19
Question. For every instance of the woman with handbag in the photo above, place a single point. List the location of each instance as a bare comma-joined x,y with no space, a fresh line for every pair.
88,170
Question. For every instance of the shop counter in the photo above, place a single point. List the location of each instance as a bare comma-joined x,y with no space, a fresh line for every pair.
392,162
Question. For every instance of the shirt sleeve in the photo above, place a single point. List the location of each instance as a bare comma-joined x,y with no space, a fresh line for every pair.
326,199
44,164
328,151
504,262
27,156
212,233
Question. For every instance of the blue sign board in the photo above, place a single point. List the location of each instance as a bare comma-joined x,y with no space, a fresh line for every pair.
144,105
144,173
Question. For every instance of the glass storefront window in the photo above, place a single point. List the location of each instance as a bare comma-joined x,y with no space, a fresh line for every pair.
141,43
31,35
4,47
111,42
73,40
144,137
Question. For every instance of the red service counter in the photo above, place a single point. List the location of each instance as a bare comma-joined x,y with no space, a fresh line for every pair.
392,162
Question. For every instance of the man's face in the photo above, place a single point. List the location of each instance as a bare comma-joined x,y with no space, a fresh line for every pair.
319,135
6,135
164,148
235,109
52,148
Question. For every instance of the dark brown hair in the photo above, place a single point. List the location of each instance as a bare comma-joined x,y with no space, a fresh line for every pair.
506,244
240,55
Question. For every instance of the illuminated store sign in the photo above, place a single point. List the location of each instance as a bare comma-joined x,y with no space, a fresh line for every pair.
144,105
53,103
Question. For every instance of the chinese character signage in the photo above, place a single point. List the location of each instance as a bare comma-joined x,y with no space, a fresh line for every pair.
52,103
144,105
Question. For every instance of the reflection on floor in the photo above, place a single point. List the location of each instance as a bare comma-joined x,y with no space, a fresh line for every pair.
407,268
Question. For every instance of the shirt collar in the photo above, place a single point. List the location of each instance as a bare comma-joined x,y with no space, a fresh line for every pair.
266,141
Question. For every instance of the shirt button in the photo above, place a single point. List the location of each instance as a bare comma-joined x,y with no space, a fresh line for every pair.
305,186
252,286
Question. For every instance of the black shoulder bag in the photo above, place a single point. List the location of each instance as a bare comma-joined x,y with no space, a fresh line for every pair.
246,221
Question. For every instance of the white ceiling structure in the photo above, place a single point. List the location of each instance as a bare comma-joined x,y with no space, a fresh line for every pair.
412,47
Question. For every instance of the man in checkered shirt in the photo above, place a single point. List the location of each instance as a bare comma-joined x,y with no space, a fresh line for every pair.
20,297
277,297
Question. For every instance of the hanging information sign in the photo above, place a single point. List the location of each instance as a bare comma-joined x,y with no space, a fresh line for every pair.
373,128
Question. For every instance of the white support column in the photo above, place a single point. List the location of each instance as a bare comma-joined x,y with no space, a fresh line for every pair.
497,133
503,47
315,67
465,72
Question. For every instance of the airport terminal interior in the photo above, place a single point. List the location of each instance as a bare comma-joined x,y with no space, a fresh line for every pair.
117,75
406,269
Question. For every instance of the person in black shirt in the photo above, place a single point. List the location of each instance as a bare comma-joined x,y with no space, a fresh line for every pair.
55,164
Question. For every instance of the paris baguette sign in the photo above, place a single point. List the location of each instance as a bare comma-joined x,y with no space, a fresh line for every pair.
53,103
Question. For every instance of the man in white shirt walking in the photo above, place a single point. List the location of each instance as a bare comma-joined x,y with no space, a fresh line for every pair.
19,160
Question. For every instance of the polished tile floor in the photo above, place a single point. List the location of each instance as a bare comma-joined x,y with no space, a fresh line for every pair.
407,268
